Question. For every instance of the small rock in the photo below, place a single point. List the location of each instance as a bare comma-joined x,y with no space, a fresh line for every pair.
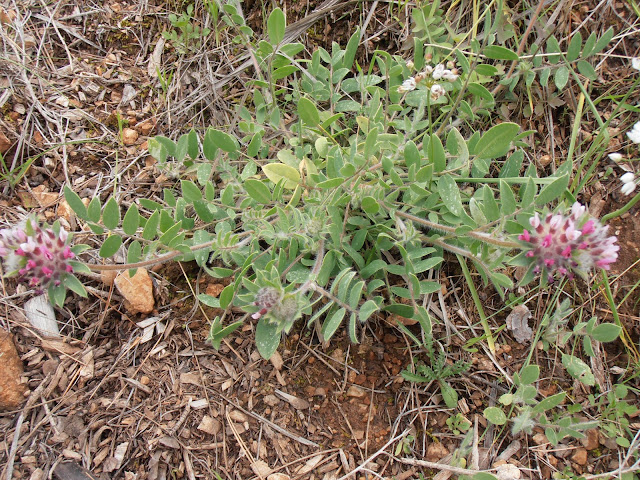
355,392
64,210
540,439
592,439
137,291
11,388
320,392
209,425
436,452
508,471
129,136
580,456
271,400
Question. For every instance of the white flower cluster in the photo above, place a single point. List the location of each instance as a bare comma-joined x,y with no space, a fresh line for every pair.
634,133
431,76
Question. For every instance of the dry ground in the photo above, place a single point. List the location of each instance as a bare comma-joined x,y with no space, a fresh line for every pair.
170,406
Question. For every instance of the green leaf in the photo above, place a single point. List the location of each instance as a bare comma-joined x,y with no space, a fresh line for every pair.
508,204
279,171
370,205
57,294
75,203
589,44
209,300
496,52
267,338
330,325
75,285
151,227
529,374
495,415
201,256
217,333
350,51
308,112
193,149
110,246
411,155
436,154
226,296
134,252
496,141
483,476
131,220
276,25
450,194
549,402
258,191
190,191
603,41
111,214
587,70
94,210
209,147
366,310
553,47
552,191
606,332
222,140
561,77
573,51
578,369
449,394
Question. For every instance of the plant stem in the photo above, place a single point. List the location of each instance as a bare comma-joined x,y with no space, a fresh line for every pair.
158,260
622,210
476,300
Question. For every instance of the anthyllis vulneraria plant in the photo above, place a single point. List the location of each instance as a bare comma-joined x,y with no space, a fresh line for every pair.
566,244
41,257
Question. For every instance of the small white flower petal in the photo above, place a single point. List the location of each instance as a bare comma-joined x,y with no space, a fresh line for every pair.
634,133
438,72
628,188
616,157
635,63
408,85
627,177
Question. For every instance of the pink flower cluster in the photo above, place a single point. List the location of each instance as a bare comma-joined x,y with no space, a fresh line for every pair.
266,299
39,256
568,244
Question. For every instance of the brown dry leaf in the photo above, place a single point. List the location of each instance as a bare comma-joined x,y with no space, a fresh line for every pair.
261,468
310,465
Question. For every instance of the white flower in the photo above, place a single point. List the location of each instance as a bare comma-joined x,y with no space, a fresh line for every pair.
450,75
616,157
438,72
635,63
628,188
410,65
634,133
436,92
408,85
628,183
627,177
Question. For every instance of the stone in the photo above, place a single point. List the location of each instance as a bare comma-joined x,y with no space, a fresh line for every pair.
129,136
580,456
591,441
137,291
12,389
436,452
508,471
355,392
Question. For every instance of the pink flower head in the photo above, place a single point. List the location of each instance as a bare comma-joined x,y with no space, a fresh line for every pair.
38,255
266,299
566,244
